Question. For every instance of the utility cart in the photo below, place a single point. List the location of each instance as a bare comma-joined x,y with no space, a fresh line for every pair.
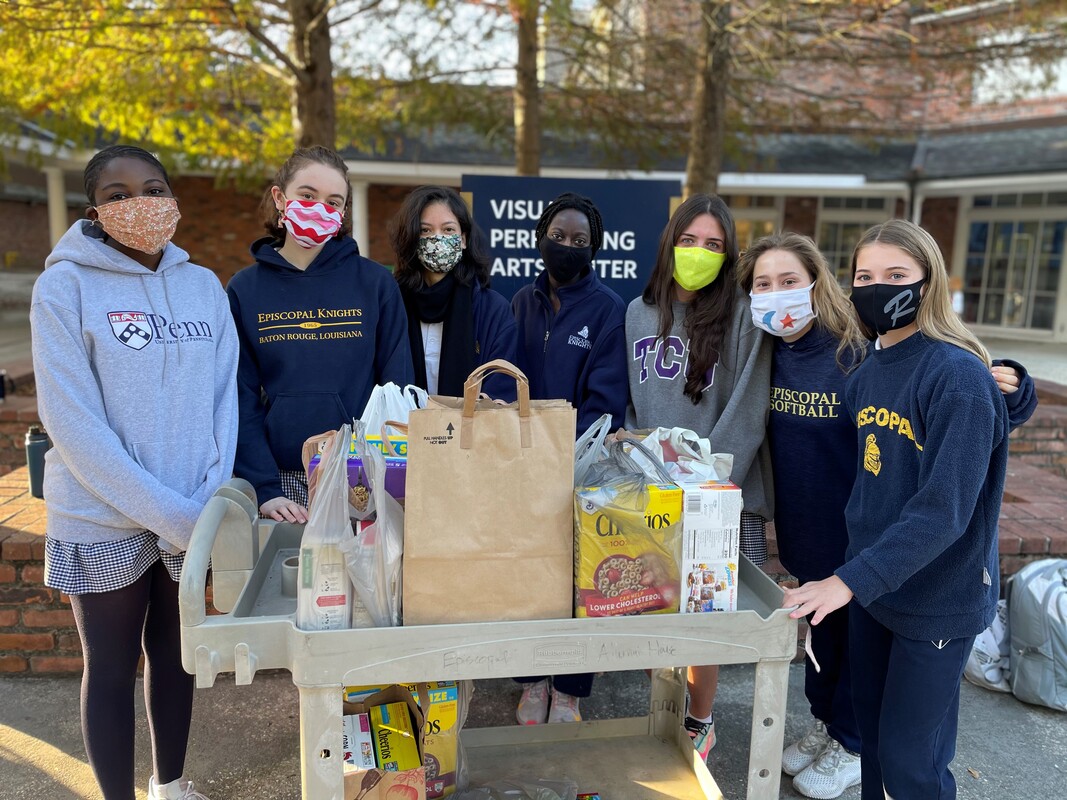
641,758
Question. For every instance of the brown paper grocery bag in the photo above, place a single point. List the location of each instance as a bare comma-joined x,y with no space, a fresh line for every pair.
488,529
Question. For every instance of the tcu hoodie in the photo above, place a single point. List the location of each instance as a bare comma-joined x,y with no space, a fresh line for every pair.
314,343
135,385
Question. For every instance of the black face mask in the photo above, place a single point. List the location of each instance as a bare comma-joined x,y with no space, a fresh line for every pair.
564,263
885,307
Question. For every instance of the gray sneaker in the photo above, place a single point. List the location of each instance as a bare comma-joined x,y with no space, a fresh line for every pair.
802,754
835,770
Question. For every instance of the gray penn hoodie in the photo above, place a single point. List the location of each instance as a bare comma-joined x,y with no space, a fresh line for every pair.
136,385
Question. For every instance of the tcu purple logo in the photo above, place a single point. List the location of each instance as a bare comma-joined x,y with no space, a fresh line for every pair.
668,358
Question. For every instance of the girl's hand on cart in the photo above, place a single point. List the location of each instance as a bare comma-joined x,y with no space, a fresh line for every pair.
284,510
818,598
1007,379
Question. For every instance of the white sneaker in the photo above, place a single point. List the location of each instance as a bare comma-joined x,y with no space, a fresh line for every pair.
802,754
564,708
175,790
533,705
834,771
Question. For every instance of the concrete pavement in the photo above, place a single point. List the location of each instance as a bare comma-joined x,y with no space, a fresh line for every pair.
244,740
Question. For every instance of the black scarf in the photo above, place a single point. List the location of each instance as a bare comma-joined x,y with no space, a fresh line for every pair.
451,302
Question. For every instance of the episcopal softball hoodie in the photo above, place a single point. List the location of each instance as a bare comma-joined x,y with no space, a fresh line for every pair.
135,385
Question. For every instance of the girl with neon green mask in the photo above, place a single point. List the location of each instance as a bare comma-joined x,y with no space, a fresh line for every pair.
696,361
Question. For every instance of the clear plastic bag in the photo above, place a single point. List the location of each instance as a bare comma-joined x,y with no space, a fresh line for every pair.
373,557
324,592
590,448
391,402
686,456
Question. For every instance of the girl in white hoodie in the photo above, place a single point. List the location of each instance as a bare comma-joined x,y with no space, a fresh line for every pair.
135,358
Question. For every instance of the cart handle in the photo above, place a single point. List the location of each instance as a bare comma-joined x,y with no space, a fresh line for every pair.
192,604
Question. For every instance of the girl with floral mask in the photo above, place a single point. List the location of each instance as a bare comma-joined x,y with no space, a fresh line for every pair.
929,447
696,361
135,355
320,326
456,322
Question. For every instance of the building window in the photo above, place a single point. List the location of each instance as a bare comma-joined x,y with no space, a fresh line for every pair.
755,216
1012,270
842,221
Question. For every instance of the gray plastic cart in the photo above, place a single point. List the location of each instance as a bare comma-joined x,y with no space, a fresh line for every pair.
643,758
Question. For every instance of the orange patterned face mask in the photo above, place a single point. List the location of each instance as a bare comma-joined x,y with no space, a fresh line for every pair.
144,223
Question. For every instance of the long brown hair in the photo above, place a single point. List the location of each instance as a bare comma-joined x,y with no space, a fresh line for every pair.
935,316
296,162
709,314
833,309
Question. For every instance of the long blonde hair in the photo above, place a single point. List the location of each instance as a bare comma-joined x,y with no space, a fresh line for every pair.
833,309
935,316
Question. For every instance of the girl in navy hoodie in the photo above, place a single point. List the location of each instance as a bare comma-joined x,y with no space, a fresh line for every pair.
319,326
455,322
571,346
921,567
795,297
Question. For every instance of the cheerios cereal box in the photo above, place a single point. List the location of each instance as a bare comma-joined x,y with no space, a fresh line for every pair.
627,548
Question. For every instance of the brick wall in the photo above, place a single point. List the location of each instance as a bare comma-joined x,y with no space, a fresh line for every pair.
16,415
799,215
24,234
939,218
37,633
384,202
1042,442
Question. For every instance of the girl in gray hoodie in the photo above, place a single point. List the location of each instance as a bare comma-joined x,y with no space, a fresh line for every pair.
135,357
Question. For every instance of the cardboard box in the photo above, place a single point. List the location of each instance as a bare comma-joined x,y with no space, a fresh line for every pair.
396,471
357,742
441,729
380,784
626,561
711,536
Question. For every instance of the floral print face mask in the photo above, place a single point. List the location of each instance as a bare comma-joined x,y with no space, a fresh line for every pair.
143,223
440,253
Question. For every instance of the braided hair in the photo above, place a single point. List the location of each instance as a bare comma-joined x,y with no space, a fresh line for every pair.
581,204
107,155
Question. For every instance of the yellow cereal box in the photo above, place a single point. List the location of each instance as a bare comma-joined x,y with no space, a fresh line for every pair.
627,547
395,747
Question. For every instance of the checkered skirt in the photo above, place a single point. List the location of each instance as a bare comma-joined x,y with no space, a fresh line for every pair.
76,568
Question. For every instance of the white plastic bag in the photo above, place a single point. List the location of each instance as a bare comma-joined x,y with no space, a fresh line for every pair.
390,402
590,448
373,557
687,457
324,592
989,663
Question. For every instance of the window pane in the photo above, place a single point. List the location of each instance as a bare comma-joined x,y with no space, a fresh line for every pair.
831,202
1033,199
876,203
970,306
983,201
972,274
994,305
853,202
1044,315
1048,274
1007,200
978,238
827,237
1057,198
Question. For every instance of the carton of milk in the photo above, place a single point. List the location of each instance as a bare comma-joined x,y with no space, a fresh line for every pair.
711,536
357,742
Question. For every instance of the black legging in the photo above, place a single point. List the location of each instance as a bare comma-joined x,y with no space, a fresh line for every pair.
114,627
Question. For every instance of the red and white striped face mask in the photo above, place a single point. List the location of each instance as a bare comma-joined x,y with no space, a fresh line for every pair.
311,223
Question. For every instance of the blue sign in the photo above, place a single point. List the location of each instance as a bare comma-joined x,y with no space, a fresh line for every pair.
635,212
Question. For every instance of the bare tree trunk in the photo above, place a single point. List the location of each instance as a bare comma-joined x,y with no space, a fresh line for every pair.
707,131
314,109
527,100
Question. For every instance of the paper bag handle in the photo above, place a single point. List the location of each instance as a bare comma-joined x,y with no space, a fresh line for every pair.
396,426
473,387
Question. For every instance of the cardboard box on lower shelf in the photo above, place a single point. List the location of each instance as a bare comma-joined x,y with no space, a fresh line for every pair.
386,784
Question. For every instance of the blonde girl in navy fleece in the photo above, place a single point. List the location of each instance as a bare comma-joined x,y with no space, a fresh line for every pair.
796,298
921,568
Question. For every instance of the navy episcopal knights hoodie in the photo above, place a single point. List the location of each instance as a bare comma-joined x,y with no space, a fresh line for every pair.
314,343
579,353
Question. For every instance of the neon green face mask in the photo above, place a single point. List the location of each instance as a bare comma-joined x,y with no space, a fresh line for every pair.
696,267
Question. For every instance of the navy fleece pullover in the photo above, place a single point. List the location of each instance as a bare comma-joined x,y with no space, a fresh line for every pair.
578,353
314,343
922,518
